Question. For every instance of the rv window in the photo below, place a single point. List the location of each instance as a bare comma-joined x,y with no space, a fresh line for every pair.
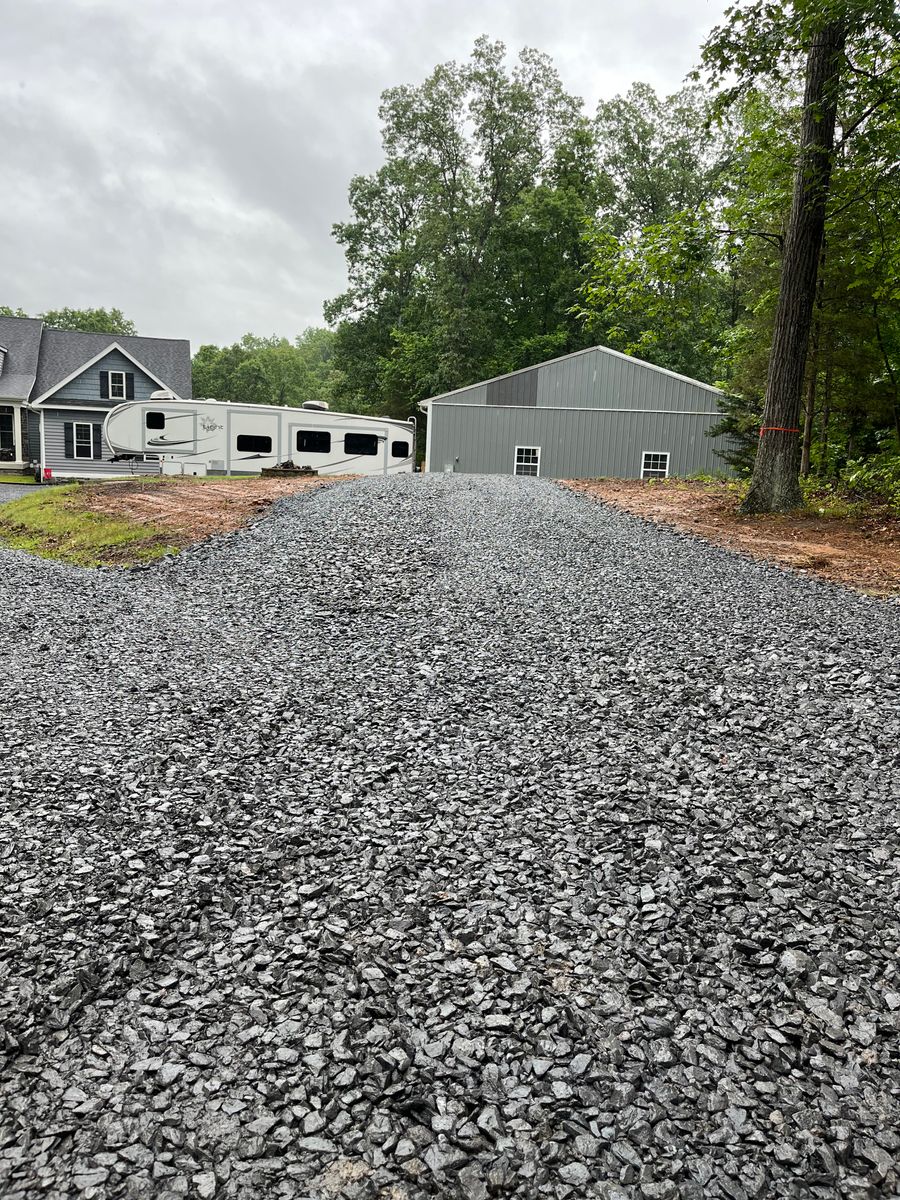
399,449
156,420
360,443
255,442
313,441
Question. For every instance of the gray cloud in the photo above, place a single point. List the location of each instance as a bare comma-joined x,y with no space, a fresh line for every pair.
185,161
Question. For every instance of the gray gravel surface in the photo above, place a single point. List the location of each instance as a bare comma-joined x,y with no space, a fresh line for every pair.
15,491
454,837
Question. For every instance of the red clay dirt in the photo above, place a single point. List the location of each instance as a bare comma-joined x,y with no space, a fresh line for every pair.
191,510
862,553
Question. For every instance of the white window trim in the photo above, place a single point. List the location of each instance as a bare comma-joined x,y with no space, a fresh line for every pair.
76,425
659,453
516,461
117,375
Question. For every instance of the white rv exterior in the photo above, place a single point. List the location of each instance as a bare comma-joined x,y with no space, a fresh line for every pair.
200,437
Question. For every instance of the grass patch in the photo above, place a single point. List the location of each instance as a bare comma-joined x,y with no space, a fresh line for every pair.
53,523
723,483
831,499
12,478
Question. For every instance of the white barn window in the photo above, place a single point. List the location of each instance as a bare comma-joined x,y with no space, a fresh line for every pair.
528,460
655,464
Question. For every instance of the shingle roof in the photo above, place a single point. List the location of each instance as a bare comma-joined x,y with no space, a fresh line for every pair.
22,338
64,350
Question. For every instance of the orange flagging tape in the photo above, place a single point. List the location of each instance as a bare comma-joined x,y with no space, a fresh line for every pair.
776,429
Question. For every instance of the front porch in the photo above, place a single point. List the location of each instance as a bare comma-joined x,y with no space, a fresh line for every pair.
13,449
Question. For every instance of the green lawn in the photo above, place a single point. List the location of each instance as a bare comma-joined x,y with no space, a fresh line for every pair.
20,479
52,524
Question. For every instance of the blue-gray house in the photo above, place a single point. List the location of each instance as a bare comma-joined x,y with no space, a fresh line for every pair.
56,387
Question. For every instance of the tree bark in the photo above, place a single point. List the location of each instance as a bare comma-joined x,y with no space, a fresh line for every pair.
775,486
809,408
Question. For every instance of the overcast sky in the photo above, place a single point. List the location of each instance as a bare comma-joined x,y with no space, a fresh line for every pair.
184,160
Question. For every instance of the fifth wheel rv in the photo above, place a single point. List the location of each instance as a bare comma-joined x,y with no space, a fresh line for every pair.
212,437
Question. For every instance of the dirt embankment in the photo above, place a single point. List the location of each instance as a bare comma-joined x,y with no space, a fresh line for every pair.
136,520
859,552
189,509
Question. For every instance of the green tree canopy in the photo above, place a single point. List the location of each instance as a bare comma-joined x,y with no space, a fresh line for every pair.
268,370
87,320
90,320
846,53
464,250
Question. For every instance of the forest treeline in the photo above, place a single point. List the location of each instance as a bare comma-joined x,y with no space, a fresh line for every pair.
508,225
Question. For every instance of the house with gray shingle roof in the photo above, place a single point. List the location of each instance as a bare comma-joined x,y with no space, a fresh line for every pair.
57,385
20,344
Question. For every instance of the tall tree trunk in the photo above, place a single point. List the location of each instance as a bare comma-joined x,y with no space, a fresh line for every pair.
775,486
809,408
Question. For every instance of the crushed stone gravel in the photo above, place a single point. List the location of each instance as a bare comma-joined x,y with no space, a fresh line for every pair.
447,836
15,491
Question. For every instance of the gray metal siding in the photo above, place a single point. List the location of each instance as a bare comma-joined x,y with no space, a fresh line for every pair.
596,378
599,379
575,444
87,468
85,388
519,389
476,394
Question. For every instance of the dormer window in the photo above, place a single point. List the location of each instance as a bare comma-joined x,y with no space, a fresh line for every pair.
117,385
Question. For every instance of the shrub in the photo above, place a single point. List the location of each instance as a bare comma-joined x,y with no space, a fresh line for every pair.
875,479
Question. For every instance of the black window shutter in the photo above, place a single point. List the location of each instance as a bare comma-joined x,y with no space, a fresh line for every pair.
104,385
69,439
129,385
97,447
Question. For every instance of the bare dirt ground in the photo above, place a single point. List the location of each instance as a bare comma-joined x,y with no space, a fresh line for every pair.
190,509
862,553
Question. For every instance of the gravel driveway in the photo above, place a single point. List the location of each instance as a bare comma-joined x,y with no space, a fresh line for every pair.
15,491
448,836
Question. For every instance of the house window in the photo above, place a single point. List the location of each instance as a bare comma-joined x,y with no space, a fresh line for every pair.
117,385
360,443
528,460
399,449
655,464
313,441
254,442
83,440
7,437
155,420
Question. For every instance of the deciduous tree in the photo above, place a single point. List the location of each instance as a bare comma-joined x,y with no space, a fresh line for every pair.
836,41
